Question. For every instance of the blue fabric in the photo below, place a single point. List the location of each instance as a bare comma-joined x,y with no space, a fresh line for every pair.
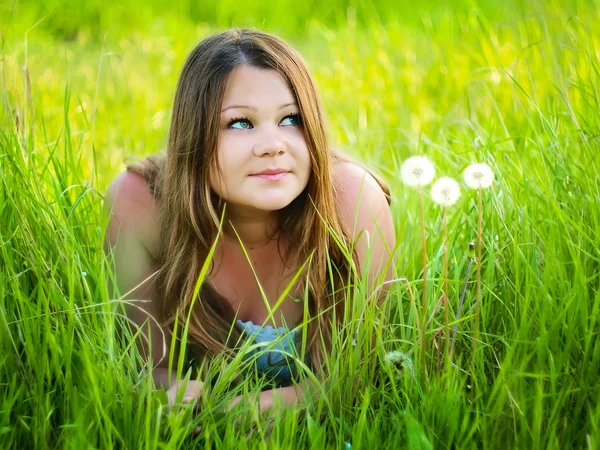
272,362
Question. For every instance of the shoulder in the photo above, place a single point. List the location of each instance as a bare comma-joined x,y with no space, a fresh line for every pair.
353,185
364,210
132,207
131,198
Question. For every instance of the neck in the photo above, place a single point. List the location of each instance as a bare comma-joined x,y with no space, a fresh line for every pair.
254,231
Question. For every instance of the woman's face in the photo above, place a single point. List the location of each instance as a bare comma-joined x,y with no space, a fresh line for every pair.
259,131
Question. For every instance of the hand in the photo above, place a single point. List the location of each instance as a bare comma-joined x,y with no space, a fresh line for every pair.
265,402
192,392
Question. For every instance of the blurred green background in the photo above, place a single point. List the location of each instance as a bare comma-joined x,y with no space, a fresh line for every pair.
389,72
514,84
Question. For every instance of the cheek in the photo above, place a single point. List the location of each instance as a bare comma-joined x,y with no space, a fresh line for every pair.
224,173
217,177
214,181
306,159
228,155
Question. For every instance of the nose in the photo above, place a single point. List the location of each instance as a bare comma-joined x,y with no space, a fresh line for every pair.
268,142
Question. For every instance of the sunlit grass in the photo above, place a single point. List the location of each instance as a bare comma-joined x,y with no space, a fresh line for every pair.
516,88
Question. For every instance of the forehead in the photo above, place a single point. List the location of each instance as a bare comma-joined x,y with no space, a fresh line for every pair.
252,86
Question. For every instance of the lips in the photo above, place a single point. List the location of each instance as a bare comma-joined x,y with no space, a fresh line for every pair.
271,174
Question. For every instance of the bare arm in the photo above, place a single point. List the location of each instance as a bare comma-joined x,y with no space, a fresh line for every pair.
132,223
366,213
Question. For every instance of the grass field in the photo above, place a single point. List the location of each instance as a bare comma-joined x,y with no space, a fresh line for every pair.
512,84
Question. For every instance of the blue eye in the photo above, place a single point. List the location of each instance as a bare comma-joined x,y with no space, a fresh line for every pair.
244,123
293,118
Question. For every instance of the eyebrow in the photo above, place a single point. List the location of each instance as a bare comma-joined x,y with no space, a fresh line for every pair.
254,108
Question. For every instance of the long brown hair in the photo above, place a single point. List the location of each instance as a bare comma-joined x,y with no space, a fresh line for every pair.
190,211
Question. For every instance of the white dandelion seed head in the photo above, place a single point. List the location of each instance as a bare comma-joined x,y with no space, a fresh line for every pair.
399,360
445,191
478,176
417,171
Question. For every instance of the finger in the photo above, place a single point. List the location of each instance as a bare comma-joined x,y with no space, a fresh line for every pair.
188,399
234,402
195,389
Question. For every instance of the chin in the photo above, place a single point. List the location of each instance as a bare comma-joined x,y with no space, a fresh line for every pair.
273,204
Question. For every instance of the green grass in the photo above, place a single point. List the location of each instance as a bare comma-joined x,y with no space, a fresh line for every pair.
512,84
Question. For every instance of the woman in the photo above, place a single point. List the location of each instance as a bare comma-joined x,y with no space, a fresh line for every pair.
247,149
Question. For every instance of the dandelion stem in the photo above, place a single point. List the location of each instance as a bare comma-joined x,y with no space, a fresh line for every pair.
446,291
478,292
424,303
